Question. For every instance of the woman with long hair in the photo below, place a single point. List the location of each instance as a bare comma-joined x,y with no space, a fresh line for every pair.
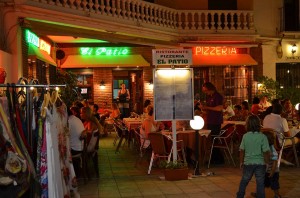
92,128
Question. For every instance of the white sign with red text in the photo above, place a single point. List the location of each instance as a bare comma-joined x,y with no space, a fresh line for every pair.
172,57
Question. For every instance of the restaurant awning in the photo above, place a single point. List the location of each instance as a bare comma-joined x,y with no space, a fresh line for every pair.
79,61
233,60
40,54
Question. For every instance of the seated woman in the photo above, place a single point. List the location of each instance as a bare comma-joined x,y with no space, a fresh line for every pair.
92,128
288,111
148,126
114,113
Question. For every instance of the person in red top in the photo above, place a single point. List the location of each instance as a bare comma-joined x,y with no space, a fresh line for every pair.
256,108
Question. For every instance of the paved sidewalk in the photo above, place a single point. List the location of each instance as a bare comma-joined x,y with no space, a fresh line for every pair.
120,178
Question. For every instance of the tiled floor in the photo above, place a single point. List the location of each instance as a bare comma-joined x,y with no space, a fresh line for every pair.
120,178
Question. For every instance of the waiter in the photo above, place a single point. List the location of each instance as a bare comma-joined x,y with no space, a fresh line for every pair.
214,114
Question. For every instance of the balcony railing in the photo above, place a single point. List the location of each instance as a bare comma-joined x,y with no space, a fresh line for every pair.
146,14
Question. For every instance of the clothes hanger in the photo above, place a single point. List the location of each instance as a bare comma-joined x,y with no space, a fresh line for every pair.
45,104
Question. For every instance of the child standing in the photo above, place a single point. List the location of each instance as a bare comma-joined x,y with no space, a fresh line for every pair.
272,174
254,155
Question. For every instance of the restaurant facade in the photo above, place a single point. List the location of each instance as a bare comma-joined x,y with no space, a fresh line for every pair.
231,48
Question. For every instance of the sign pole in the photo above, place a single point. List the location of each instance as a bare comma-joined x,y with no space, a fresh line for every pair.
174,140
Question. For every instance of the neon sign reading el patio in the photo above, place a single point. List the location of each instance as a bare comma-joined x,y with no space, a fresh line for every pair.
106,51
219,51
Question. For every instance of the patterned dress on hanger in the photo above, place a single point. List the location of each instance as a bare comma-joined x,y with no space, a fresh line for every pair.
58,147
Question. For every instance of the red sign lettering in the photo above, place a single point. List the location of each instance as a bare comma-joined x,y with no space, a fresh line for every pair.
219,51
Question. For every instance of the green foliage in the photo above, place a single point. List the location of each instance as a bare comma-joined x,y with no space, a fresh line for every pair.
269,88
172,165
292,93
272,90
69,93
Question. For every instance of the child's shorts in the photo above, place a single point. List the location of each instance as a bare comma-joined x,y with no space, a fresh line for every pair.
273,181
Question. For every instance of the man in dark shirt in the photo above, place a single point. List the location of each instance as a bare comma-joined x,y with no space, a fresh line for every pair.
213,109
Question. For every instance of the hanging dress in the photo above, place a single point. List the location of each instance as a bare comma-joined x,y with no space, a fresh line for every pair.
55,185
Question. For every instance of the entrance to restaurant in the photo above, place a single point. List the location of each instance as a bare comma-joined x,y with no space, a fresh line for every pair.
134,83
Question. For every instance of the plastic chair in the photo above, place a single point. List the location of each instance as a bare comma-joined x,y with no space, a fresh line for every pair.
222,141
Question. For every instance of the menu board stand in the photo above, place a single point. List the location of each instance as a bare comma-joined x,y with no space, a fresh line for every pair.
173,97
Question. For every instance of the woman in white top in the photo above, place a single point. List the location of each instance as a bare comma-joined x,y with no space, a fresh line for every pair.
148,126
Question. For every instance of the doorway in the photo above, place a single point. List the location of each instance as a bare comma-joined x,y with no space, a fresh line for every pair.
134,83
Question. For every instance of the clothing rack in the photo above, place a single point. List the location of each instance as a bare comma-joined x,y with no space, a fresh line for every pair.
29,101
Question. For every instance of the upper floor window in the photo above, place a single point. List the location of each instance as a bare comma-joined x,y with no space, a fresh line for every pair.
222,5
290,15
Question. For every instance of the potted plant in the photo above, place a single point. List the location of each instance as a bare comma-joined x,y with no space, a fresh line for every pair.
174,170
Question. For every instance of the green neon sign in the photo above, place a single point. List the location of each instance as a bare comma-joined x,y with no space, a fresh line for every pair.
32,38
107,51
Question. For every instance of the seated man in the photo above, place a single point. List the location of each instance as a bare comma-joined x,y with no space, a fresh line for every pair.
76,144
279,124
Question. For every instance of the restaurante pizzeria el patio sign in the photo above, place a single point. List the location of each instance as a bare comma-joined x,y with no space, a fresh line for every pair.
172,57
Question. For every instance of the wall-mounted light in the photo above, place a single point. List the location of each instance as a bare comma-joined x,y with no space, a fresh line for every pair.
279,50
294,49
102,84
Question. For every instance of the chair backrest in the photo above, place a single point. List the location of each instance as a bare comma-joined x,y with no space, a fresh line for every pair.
157,142
230,125
136,136
240,130
274,133
229,131
93,144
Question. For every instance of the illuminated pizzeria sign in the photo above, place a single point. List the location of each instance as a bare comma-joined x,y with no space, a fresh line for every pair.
36,41
106,51
211,51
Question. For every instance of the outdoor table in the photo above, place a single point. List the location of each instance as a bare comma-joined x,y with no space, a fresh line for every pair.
233,122
132,123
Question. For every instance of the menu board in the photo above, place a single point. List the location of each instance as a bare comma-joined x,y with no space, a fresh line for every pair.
173,94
